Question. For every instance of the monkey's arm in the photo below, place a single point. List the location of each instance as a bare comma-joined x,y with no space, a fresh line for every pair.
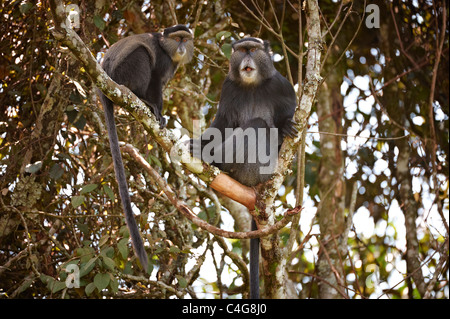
285,107
223,119
212,138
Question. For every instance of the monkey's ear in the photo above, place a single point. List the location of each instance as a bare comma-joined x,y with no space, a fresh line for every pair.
267,47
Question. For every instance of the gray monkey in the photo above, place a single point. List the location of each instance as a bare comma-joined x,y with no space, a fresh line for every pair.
254,96
144,63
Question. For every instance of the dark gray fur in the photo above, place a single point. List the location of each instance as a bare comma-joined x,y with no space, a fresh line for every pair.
267,103
254,265
143,63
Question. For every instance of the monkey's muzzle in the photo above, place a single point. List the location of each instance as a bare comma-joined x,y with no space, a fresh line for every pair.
180,54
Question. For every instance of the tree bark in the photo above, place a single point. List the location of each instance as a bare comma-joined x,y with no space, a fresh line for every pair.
273,260
332,191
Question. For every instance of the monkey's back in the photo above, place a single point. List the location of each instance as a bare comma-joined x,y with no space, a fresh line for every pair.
141,64
122,49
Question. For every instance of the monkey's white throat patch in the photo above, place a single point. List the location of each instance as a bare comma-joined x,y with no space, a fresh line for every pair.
180,57
249,75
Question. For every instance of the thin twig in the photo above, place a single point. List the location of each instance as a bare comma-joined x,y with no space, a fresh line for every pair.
402,49
268,28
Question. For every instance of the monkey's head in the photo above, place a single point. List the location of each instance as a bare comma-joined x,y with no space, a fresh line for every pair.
178,42
251,61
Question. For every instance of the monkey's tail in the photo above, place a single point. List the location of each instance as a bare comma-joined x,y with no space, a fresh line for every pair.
254,265
136,239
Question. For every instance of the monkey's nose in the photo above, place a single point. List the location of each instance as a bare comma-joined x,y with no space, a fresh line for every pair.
181,50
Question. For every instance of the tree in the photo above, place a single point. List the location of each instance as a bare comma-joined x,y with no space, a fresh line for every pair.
372,151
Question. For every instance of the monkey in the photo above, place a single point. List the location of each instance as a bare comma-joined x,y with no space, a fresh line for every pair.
254,96
144,63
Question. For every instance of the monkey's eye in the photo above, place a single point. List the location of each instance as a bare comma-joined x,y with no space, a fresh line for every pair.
178,39
184,40
243,50
252,49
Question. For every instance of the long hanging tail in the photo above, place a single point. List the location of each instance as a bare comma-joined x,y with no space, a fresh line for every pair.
136,239
254,265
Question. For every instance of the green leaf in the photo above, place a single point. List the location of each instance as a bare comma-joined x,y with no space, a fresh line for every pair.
174,249
24,286
99,22
109,192
122,245
77,201
108,263
88,188
33,168
81,123
45,279
83,227
71,115
114,285
89,289
123,231
101,281
226,49
86,243
88,253
52,284
24,8
155,160
56,171
57,286
103,240
182,282
76,98
222,35
128,268
107,251
86,268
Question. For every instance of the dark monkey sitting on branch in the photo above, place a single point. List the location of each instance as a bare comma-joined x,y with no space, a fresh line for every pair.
256,102
144,63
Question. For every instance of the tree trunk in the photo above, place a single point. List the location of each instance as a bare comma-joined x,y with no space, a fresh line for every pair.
332,191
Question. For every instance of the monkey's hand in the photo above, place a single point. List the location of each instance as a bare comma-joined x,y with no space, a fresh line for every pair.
289,128
162,121
157,112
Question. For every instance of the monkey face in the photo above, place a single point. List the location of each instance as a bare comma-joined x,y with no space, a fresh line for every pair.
184,50
179,44
251,61
248,71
